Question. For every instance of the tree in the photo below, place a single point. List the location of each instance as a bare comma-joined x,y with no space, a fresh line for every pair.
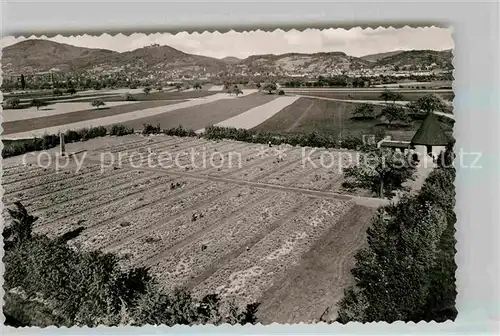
427,104
258,85
387,95
97,103
147,90
364,111
393,112
38,103
23,82
270,87
407,272
69,287
178,87
197,86
381,171
21,228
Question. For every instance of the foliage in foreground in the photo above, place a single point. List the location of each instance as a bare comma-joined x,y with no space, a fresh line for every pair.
407,272
49,283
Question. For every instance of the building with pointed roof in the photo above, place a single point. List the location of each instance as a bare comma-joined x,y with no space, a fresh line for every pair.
430,138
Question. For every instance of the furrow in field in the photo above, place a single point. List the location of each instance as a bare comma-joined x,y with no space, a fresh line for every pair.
91,189
133,225
268,165
246,277
69,183
105,214
172,234
185,264
251,156
205,158
134,144
100,198
19,170
52,176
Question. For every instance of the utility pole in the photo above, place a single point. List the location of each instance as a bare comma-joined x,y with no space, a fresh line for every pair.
62,144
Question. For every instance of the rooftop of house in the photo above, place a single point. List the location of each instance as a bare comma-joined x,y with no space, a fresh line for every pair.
430,133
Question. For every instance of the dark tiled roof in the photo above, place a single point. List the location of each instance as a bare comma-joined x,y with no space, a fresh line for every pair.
395,144
430,133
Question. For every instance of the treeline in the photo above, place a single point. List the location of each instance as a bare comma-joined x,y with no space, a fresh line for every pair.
47,141
49,283
407,272
312,139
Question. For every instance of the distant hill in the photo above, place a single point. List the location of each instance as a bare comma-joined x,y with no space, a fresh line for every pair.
42,55
379,56
443,59
231,60
304,63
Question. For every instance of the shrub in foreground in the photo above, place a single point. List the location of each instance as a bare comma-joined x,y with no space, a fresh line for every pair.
64,286
119,130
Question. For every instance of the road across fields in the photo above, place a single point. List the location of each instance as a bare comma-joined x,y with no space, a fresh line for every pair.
258,114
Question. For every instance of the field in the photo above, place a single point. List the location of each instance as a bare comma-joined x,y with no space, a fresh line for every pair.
329,117
368,93
265,226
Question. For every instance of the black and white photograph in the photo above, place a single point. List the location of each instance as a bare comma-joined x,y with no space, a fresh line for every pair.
239,177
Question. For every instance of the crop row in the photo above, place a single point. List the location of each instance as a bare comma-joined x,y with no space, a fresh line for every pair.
233,236
267,166
147,245
320,180
93,190
19,170
247,276
93,217
154,218
69,184
50,177
101,196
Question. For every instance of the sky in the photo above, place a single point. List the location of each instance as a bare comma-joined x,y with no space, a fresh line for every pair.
354,42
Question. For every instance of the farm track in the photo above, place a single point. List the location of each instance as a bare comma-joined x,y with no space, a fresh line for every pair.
246,277
318,281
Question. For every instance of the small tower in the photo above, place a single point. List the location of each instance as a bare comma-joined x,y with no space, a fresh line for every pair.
430,139
62,144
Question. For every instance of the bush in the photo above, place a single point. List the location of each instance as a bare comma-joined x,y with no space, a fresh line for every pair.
180,131
119,130
57,92
150,129
63,286
97,103
281,92
71,91
407,272
11,103
128,97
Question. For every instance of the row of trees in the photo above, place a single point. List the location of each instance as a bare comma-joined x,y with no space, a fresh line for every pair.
407,271
49,283
415,110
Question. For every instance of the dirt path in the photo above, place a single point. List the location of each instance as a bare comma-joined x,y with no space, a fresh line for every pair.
317,283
